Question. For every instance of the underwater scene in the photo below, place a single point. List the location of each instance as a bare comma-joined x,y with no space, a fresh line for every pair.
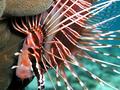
108,20
59,44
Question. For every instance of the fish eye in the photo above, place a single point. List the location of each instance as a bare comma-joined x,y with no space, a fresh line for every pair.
30,50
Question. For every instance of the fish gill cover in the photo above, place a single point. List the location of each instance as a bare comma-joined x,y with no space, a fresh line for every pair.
89,58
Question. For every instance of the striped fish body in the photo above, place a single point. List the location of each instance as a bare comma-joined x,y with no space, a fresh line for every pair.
30,54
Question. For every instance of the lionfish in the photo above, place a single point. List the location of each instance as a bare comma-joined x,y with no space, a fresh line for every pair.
54,39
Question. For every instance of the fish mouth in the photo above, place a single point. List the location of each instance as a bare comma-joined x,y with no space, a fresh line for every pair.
23,72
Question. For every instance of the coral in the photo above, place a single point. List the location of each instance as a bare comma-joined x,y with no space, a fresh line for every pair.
26,7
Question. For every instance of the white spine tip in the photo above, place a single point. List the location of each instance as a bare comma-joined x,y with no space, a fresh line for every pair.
13,67
116,71
58,83
118,57
17,53
103,65
106,54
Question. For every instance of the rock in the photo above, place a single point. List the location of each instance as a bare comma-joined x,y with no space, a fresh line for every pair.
26,7
2,6
8,46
